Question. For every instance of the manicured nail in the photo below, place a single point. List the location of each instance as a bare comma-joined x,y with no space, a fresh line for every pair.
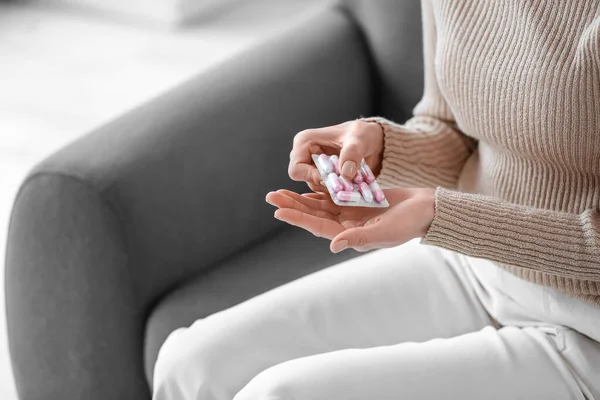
349,168
339,246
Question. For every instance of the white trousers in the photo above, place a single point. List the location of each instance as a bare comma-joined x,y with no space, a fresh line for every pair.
412,322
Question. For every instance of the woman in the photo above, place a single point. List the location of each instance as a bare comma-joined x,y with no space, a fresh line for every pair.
499,170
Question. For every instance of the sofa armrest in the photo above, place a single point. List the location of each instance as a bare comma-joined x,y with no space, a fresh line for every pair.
103,228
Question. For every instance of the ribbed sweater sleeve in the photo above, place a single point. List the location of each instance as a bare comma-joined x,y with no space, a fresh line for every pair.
424,152
520,81
562,244
428,150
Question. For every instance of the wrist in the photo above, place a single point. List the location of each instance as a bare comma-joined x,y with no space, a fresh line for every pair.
427,200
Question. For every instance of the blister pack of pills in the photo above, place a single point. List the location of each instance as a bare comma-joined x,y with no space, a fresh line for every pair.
362,191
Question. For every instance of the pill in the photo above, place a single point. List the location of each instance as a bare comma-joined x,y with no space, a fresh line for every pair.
358,179
329,186
334,182
348,186
336,163
348,196
366,192
368,174
377,192
325,164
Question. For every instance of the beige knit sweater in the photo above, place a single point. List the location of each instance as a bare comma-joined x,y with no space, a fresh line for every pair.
509,131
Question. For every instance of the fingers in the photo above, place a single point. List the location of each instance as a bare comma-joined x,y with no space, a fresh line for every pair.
301,169
374,234
354,140
280,200
321,227
351,156
318,196
407,219
316,188
322,202
309,142
362,140
317,213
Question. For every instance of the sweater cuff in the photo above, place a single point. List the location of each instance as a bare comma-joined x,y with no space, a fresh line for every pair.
486,227
415,153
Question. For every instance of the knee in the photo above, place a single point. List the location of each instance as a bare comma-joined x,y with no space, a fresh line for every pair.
188,369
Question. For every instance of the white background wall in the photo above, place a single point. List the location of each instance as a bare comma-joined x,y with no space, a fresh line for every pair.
65,71
162,12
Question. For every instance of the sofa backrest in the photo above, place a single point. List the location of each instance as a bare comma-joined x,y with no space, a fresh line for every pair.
392,30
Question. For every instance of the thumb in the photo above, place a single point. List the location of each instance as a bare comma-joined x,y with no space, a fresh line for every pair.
350,157
371,235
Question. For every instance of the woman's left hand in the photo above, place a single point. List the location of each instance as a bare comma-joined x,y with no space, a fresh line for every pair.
409,216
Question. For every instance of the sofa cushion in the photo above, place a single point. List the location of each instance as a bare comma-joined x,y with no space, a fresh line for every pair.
393,32
288,254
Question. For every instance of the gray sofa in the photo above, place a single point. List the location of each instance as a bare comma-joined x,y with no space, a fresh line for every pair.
137,229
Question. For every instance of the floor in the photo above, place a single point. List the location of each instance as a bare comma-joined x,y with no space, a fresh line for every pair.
64,72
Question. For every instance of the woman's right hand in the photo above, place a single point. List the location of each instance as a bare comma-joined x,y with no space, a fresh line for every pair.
352,141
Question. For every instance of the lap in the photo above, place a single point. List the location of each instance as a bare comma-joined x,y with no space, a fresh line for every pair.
508,363
408,293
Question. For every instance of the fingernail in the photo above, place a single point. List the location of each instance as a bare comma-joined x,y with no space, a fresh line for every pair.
276,217
349,168
339,246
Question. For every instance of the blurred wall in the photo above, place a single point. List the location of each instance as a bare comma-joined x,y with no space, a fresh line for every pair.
164,12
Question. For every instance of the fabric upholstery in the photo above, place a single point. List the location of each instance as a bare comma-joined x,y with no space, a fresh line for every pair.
102,230
392,30
141,194
155,163
74,325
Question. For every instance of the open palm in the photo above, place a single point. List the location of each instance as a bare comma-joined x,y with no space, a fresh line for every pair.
362,228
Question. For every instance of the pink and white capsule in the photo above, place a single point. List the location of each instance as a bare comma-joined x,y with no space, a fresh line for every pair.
348,196
377,192
325,163
358,179
348,186
336,163
368,174
334,182
366,192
